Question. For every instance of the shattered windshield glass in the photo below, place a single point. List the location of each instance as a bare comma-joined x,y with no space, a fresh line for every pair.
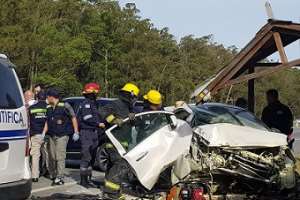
203,116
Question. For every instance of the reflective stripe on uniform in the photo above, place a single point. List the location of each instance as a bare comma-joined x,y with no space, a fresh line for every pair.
109,145
124,144
112,185
61,104
87,117
38,110
110,118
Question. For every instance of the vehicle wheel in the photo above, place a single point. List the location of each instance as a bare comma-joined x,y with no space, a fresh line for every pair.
102,158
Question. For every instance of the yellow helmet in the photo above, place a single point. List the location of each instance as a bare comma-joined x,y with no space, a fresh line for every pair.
132,88
154,97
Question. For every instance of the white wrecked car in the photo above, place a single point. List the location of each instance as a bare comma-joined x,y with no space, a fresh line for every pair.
230,152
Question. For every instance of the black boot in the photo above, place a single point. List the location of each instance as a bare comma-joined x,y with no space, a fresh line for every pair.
84,180
90,173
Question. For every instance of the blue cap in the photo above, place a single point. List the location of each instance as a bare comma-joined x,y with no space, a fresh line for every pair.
53,93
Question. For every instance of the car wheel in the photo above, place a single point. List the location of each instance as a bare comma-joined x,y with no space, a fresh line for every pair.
102,158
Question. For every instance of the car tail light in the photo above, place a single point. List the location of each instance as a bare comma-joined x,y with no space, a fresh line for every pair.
27,148
198,194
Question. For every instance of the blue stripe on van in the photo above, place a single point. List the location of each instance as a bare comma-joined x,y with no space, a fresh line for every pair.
13,133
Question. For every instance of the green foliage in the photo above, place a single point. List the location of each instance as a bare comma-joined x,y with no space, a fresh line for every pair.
67,43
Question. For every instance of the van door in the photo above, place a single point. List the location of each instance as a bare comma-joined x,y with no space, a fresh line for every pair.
150,144
13,126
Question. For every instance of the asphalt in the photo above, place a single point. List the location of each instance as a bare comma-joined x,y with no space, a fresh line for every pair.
44,190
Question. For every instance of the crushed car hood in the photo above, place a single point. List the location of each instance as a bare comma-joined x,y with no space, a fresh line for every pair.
229,135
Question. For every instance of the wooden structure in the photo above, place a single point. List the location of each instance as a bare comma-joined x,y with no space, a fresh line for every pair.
271,38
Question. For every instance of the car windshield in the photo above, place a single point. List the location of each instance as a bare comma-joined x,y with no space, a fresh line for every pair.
204,116
209,114
248,119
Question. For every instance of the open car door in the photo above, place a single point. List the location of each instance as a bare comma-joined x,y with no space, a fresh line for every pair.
150,143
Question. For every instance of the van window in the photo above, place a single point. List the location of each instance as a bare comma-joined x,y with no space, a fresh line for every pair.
10,97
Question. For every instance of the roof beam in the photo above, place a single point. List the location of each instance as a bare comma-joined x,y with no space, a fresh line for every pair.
272,64
240,60
280,47
260,74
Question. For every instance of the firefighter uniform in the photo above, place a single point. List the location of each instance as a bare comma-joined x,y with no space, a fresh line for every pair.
37,116
89,121
58,118
118,170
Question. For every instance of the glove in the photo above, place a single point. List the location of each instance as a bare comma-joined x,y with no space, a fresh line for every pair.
102,125
75,137
118,122
131,116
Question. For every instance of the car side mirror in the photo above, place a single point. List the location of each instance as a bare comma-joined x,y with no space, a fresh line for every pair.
174,121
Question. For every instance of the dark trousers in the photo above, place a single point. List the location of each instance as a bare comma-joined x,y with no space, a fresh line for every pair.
118,172
89,145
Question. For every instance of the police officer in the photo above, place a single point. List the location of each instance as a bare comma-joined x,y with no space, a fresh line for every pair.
37,117
277,115
114,113
58,116
89,123
152,101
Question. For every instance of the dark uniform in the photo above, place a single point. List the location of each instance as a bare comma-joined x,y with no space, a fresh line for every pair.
117,170
89,120
279,116
58,120
37,117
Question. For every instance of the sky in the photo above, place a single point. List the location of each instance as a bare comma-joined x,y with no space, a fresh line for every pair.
232,22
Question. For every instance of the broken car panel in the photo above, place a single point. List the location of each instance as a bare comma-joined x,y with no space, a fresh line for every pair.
219,149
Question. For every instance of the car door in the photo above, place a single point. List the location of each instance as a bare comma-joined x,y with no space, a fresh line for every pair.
151,143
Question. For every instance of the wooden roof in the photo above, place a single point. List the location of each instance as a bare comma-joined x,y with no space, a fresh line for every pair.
272,37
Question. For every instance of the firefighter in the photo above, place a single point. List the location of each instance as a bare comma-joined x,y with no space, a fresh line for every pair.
152,101
114,113
89,123
37,117
59,115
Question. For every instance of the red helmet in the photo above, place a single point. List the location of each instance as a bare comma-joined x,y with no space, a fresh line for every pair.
91,88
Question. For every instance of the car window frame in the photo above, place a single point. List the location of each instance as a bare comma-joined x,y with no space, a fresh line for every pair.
123,152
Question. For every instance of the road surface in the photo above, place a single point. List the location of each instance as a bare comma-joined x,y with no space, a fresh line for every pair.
71,190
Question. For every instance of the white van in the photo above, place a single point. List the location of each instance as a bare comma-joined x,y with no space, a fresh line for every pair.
15,177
